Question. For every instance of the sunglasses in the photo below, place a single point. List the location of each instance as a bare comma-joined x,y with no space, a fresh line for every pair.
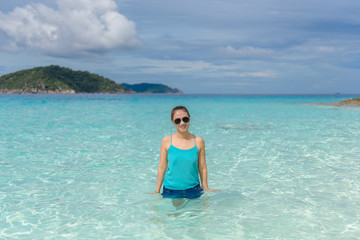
184,119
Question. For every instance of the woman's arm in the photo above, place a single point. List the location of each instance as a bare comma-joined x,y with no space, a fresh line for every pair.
202,164
162,165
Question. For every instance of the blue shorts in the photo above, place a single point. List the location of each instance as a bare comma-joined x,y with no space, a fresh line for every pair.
191,193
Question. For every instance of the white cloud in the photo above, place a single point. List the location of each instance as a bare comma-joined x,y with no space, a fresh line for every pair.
242,83
247,51
325,49
194,68
265,74
314,49
75,28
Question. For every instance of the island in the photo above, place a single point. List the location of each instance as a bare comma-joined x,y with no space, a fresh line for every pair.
150,88
353,102
60,80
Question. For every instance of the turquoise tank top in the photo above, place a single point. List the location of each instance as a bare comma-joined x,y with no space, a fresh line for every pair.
182,172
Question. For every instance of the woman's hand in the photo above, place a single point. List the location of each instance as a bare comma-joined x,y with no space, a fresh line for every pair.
212,190
154,193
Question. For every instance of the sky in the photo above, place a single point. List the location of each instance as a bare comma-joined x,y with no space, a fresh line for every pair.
199,47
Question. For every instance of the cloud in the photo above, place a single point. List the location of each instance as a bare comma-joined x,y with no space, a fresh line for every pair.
315,49
265,74
247,51
197,69
76,28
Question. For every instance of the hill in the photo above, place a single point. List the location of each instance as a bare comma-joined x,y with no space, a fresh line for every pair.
55,79
150,88
60,80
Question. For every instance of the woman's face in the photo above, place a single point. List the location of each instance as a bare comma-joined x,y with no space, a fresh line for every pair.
182,126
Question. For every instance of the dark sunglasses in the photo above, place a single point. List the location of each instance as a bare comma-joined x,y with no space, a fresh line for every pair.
184,119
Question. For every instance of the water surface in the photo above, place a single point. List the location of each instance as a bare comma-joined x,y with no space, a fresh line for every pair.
80,167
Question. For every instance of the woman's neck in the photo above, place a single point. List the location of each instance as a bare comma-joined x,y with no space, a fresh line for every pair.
184,135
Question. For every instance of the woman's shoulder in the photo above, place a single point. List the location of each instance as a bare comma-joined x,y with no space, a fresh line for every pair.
198,137
166,141
166,138
199,140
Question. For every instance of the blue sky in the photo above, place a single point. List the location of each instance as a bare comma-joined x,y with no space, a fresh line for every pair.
212,46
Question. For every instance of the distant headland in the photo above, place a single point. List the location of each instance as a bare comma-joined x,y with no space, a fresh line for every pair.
353,102
60,80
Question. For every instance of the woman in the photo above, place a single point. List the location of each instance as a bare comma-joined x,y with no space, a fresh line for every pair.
182,160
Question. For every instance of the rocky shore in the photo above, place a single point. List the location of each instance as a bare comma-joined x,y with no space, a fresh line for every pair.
35,91
57,91
354,102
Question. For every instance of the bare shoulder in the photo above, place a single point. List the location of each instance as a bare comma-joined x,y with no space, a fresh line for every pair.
199,141
166,142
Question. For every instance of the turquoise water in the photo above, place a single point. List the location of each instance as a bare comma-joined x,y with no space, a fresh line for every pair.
80,167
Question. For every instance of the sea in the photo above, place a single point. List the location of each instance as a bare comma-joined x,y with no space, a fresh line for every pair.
83,167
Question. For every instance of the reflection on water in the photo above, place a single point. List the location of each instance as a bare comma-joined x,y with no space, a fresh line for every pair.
166,208
183,217
195,218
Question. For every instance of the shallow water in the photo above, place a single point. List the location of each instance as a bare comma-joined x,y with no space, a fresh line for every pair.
80,167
